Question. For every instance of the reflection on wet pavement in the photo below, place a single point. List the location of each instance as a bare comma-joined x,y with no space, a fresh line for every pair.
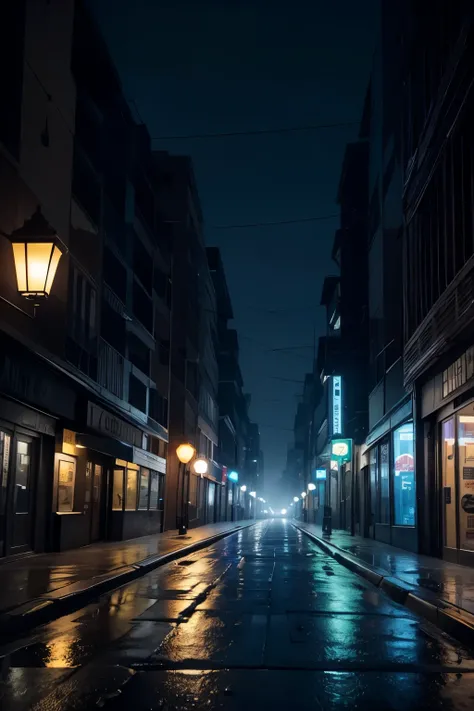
453,583
262,618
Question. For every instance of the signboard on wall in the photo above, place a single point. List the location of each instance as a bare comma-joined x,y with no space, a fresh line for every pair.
336,404
341,450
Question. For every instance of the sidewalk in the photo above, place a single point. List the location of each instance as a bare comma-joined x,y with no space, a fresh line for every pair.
32,585
442,592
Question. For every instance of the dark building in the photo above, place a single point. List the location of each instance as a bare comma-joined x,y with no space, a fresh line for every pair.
194,376
438,204
341,365
389,506
234,424
84,406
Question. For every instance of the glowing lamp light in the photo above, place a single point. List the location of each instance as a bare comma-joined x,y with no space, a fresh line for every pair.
303,494
253,494
233,476
296,499
311,487
200,466
284,512
185,452
36,253
243,488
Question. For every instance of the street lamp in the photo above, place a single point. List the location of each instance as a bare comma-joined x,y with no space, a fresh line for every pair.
311,487
185,452
253,494
36,253
303,494
296,499
243,488
200,466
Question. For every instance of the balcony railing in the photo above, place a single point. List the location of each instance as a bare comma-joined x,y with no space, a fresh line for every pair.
111,369
453,311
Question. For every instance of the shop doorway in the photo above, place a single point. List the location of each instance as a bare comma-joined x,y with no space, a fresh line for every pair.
97,507
16,493
457,491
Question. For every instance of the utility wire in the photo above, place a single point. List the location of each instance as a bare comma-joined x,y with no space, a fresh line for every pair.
257,132
272,224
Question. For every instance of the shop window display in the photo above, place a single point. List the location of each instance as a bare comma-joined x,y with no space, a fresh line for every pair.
466,480
404,494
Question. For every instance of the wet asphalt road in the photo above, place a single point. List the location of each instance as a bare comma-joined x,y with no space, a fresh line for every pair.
263,619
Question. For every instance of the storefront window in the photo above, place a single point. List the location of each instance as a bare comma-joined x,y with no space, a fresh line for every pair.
384,484
211,494
117,495
373,484
66,480
131,490
466,479
144,488
404,499
154,490
449,483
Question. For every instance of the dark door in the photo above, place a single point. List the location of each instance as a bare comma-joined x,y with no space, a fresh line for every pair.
22,508
5,445
96,501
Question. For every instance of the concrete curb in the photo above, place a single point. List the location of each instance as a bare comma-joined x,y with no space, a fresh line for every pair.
63,601
456,622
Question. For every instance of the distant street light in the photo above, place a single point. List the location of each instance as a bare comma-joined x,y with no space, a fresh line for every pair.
253,494
303,494
200,466
296,499
243,488
311,487
284,512
185,452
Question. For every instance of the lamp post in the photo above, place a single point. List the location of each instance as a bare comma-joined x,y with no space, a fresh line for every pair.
36,253
185,452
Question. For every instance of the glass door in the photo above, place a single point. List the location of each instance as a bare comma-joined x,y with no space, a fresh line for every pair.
22,497
96,501
5,442
448,504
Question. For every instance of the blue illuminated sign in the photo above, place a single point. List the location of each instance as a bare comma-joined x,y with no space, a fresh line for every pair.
233,476
320,474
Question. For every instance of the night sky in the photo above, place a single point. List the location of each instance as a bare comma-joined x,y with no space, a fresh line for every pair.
238,65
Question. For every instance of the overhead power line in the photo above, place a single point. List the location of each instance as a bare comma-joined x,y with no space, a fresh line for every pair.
246,225
257,132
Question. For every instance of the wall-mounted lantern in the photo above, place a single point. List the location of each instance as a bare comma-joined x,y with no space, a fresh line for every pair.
36,252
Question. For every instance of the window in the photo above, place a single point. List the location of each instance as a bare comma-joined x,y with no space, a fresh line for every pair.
154,490
137,393
373,484
211,494
404,499
465,446
131,492
66,480
384,484
144,488
117,494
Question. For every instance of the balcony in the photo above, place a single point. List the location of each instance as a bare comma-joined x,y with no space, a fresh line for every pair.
111,369
450,315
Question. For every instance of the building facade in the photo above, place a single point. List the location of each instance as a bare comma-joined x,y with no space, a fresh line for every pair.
438,169
389,471
84,422
238,441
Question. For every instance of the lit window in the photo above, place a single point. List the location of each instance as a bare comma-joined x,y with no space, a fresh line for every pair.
404,476
131,491
144,488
